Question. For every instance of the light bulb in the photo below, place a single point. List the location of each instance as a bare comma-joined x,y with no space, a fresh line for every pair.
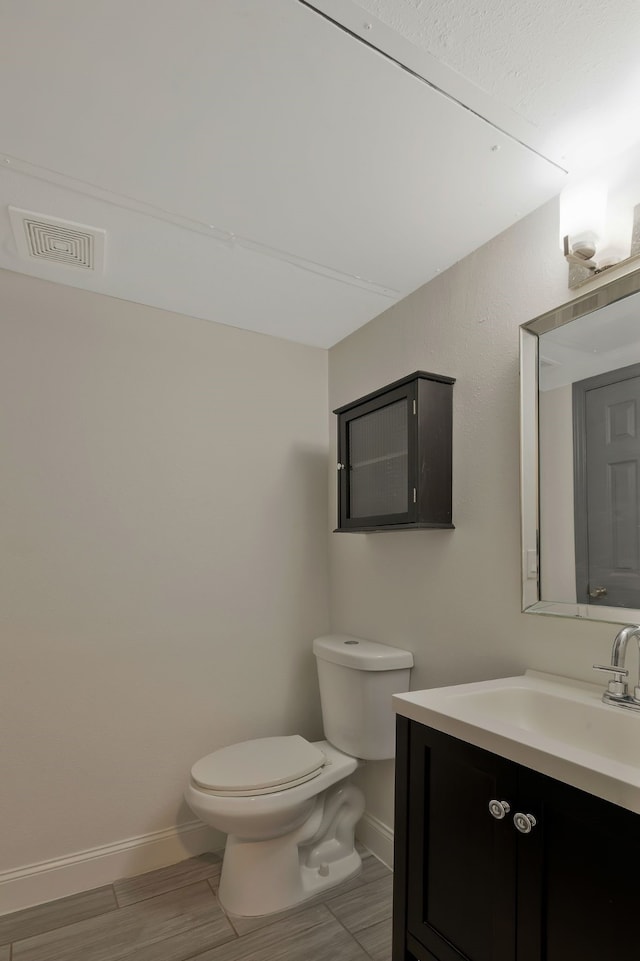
582,216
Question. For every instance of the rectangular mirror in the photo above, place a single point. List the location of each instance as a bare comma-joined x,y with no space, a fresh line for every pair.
580,456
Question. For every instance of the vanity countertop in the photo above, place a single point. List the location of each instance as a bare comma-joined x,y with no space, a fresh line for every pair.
555,725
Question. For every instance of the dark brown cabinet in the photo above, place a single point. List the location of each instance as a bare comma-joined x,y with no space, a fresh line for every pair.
394,456
471,887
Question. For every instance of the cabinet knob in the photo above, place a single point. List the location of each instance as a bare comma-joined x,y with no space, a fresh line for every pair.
524,822
340,466
499,809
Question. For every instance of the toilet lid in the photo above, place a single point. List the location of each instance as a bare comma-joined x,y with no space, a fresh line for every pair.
265,765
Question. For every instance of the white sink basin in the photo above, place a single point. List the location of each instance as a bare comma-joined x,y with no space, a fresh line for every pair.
586,724
554,725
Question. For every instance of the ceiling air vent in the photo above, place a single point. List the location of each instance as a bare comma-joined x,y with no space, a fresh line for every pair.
39,237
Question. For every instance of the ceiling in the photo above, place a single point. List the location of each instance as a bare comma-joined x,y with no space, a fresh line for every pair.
605,339
291,170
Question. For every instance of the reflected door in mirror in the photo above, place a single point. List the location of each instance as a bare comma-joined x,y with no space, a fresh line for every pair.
607,488
580,456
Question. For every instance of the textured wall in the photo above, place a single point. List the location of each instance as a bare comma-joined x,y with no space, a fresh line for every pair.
557,528
453,597
163,563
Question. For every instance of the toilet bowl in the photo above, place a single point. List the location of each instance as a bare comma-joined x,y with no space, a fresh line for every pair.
286,804
284,845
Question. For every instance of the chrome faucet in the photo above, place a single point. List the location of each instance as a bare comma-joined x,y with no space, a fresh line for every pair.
618,689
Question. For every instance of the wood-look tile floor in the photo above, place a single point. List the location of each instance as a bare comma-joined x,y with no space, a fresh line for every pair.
173,914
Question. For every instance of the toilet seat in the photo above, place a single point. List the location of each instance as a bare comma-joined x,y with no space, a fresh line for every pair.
261,766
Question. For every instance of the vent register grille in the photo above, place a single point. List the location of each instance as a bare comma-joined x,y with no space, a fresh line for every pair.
61,241
59,244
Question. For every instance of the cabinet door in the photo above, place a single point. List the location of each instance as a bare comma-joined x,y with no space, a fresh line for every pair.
578,875
377,448
461,861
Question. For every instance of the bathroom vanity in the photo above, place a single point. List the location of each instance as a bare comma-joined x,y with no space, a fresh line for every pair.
517,824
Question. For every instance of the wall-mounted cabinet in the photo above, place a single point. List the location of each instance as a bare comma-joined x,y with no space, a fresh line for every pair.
394,456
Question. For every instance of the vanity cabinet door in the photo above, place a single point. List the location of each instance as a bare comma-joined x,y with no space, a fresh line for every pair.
461,861
556,879
578,875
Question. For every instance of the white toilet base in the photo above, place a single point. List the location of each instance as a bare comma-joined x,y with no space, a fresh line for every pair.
261,877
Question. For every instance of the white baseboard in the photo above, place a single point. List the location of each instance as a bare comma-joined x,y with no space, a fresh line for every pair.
377,836
59,877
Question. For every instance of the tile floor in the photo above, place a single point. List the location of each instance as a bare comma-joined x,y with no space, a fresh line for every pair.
173,914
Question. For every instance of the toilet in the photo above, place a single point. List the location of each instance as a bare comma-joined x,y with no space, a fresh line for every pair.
286,804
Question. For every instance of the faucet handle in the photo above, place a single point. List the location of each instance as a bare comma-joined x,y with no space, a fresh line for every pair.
616,686
612,669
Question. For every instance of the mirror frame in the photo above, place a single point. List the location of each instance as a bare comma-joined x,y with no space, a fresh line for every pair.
530,332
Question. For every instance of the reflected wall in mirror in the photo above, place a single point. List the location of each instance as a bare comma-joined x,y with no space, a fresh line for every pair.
580,456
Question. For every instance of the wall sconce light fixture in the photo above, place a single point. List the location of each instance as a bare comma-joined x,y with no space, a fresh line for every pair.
599,229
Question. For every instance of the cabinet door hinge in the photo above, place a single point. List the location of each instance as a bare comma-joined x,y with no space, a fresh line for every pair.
414,495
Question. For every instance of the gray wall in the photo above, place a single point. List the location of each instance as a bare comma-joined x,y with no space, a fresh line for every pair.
453,597
163,567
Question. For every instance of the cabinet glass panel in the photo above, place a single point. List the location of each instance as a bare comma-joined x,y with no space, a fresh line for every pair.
379,462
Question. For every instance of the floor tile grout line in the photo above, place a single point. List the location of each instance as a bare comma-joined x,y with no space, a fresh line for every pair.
151,944
314,901
115,896
366,928
235,934
116,910
194,927
277,917
217,899
149,897
355,936
135,877
57,926
350,933
200,952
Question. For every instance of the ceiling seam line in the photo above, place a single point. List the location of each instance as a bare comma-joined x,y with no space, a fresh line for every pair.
429,83
226,237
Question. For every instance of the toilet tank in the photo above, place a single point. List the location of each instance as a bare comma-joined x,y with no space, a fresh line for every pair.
357,679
